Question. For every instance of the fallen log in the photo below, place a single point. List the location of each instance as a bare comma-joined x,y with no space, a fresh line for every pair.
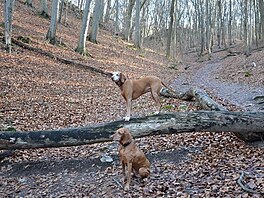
171,123
190,93
185,92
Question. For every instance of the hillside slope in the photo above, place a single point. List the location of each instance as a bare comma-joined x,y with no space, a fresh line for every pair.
38,92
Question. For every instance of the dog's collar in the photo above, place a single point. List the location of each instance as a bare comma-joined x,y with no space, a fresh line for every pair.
119,83
126,144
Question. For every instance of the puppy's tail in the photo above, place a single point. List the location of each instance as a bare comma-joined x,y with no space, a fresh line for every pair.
168,88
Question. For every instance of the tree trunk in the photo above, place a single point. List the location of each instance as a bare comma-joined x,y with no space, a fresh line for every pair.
83,35
261,10
128,19
223,27
96,20
219,19
208,25
180,122
107,12
176,35
44,8
202,28
66,12
246,37
190,93
256,22
9,7
51,35
62,2
101,17
116,17
168,51
137,30
230,25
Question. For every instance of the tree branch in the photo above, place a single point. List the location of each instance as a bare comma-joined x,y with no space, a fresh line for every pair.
240,182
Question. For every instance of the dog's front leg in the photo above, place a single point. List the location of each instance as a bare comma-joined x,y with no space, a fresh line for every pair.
129,107
124,171
129,170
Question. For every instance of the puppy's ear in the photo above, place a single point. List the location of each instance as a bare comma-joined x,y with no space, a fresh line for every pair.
122,78
126,136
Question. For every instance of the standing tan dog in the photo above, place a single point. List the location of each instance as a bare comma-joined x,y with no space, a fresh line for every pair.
131,156
132,89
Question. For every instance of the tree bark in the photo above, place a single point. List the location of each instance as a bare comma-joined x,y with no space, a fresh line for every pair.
51,35
168,49
83,35
137,24
201,27
230,25
44,8
96,20
8,14
62,3
107,12
116,17
219,19
191,93
128,19
245,24
261,10
173,123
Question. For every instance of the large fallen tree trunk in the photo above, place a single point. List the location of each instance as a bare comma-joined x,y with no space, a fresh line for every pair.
211,121
190,93
185,92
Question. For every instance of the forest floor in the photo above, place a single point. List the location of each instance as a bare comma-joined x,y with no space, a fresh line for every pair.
39,93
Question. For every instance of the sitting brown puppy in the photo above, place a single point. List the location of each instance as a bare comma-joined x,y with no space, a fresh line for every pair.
131,156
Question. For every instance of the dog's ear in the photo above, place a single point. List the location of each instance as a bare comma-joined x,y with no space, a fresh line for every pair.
122,78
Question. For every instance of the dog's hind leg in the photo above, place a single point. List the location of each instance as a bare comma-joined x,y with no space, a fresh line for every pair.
143,172
156,98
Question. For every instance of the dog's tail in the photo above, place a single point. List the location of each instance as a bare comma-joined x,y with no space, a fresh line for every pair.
168,87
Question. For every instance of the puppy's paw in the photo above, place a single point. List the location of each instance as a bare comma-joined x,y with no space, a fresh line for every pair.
127,118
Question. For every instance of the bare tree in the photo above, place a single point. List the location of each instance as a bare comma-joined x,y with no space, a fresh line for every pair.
219,19
107,12
245,23
256,25
137,30
51,35
261,10
116,16
85,24
66,11
62,2
128,19
230,24
168,51
8,13
44,8
96,19
201,27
